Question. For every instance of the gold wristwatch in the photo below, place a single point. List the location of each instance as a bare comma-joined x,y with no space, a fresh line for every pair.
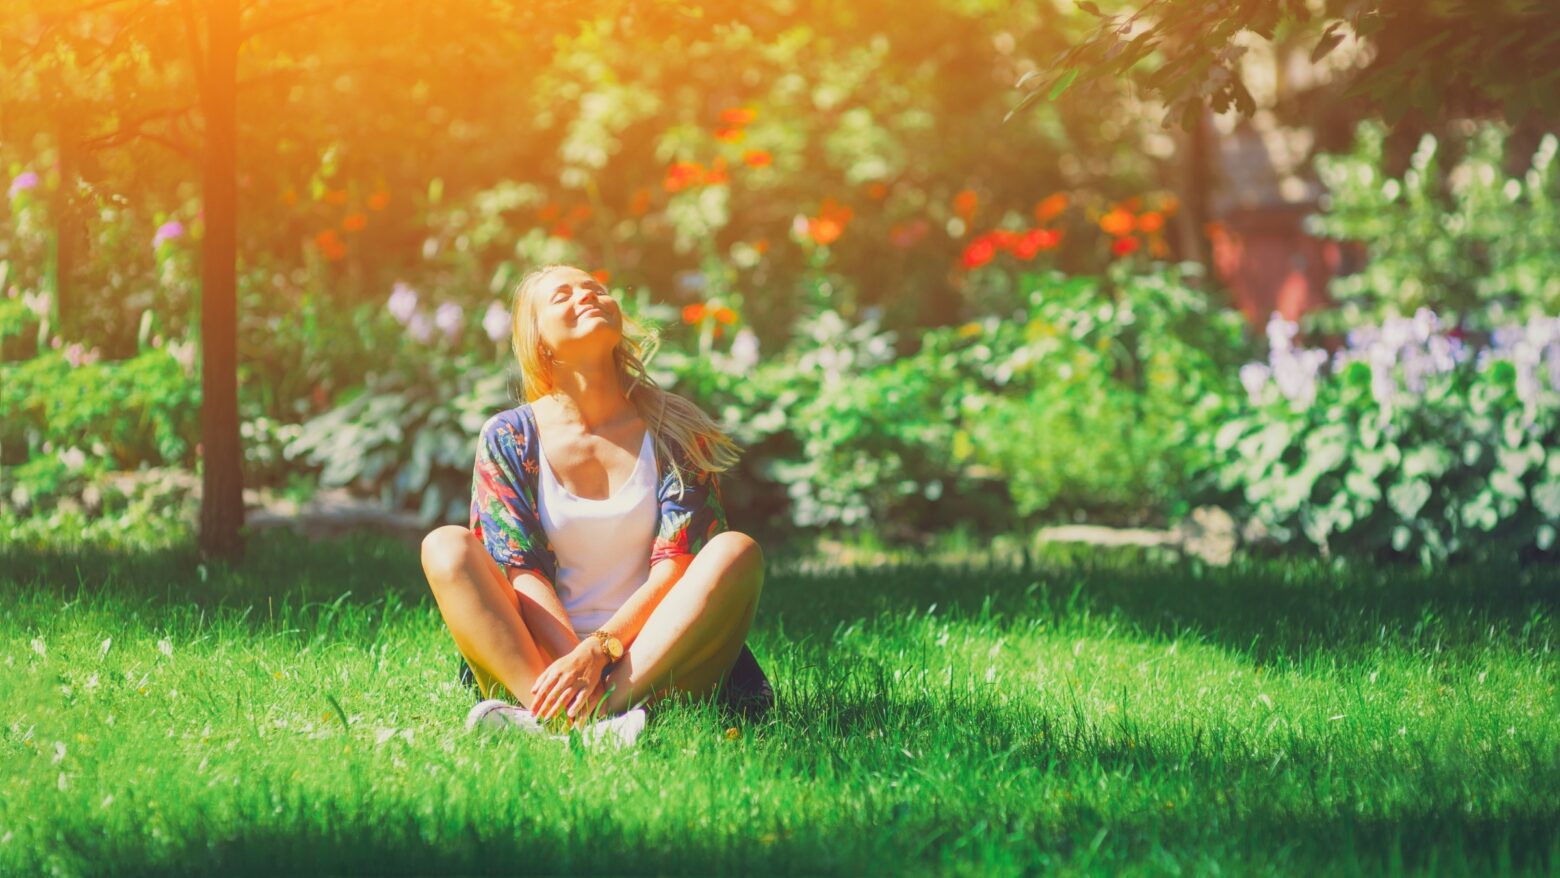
609,645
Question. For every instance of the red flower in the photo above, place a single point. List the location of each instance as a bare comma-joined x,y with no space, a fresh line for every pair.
979,252
757,158
1033,241
1124,246
379,200
681,175
354,222
729,135
693,313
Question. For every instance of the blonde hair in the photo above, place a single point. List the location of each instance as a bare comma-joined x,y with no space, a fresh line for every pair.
681,430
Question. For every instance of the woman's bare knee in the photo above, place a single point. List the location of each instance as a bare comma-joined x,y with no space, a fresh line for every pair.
739,552
445,551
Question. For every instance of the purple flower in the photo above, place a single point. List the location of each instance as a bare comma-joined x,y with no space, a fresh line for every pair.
167,232
22,182
447,319
496,322
403,301
420,327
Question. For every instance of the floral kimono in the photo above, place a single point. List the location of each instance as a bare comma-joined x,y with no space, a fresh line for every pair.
504,510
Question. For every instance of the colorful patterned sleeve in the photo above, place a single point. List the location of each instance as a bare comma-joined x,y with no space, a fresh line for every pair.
690,520
503,501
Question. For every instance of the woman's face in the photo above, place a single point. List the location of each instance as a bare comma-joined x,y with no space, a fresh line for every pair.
576,316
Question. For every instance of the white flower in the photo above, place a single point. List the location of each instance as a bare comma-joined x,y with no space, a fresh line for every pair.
744,348
420,327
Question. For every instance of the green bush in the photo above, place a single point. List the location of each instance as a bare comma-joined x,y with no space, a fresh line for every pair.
1473,243
1409,447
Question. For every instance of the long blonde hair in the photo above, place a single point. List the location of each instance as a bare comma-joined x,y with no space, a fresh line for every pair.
681,430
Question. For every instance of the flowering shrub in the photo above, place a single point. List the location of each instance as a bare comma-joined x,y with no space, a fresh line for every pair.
1473,243
1403,443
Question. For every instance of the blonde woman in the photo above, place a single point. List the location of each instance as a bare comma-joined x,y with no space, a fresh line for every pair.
598,574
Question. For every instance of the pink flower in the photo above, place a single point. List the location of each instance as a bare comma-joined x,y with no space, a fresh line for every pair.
167,232
447,319
22,182
420,327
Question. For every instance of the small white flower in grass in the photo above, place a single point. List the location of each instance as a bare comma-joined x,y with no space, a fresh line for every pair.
165,647
59,752
991,674
1263,697
39,647
63,783
107,800
103,648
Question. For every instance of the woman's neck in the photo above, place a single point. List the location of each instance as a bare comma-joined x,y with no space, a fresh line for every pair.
591,398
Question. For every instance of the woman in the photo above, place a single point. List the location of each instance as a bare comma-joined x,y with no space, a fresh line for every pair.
597,530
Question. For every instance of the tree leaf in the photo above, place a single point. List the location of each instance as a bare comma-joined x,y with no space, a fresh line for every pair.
1329,41
1062,83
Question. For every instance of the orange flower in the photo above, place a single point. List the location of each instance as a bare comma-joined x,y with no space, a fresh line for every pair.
979,252
602,275
830,223
290,196
1117,223
354,222
1150,222
681,175
336,196
579,213
824,231
729,135
693,313
326,238
1050,207
757,158
561,230
761,246
738,116
1124,246
379,200
966,203
639,205
877,191
549,212
725,315
717,173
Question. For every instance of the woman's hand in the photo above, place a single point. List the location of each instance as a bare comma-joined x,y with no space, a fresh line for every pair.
571,683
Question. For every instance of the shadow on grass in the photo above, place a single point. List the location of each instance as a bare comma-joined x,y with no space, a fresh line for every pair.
1262,609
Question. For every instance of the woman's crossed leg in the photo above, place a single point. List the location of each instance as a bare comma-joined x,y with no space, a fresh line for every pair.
690,641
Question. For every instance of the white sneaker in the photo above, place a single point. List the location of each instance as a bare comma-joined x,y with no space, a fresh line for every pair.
621,730
495,713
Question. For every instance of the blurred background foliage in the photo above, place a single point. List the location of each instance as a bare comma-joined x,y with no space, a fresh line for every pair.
914,307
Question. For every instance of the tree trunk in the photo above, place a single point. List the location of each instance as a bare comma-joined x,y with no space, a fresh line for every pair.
66,232
222,482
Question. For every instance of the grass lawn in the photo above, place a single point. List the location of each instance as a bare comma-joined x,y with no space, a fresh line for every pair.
299,714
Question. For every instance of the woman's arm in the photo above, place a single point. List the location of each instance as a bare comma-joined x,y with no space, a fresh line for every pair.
630,618
543,613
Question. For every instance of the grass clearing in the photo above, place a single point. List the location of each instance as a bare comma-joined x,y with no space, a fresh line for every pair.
1092,713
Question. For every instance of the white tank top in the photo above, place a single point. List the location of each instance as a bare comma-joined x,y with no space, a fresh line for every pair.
602,546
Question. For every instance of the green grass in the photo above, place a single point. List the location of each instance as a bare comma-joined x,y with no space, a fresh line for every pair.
1095,713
